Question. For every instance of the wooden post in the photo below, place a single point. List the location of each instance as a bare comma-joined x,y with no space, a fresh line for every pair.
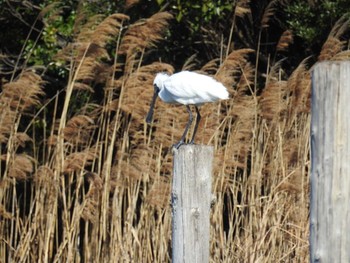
191,197
330,158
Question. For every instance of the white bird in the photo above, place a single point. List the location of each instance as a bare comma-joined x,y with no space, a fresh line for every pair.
186,88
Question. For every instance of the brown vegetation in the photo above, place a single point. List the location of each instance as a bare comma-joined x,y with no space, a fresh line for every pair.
96,187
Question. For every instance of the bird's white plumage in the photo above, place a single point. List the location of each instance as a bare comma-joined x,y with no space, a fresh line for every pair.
189,88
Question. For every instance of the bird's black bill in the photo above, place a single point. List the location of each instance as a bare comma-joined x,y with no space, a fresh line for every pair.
151,109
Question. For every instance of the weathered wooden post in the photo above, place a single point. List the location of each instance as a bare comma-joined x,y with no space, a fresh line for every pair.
330,157
191,197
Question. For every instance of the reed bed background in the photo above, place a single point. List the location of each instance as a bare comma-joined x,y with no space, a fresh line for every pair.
86,180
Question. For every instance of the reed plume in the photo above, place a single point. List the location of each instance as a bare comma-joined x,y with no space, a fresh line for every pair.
242,8
93,183
333,44
141,35
17,98
285,40
269,12
230,70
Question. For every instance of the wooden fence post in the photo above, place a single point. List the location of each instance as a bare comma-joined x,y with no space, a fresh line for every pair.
191,197
330,163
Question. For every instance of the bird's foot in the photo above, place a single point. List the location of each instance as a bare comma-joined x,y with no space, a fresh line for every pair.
177,145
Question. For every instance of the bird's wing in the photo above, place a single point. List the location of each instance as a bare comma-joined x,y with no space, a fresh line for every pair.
178,84
192,88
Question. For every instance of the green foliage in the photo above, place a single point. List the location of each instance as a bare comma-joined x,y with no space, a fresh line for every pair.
58,25
309,20
200,11
102,6
186,35
54,35
312,22
57,30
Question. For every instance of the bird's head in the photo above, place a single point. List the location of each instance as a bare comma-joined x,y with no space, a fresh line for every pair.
159,80
158,84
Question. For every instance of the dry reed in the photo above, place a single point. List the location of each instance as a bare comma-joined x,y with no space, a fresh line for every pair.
96,187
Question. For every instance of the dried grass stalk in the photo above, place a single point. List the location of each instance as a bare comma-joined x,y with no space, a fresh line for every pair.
330,48
299,84
333,44
21,166
272,102
159,194
75,162
22,94
269,12
285,40
78,129
142,35
242,8
131,3
230,70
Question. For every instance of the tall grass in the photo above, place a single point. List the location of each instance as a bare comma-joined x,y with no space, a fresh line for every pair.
90,182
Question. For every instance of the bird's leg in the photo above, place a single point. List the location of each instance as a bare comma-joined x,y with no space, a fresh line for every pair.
182,140
198,119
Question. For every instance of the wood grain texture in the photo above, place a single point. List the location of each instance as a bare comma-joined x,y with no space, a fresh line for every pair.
330,157
191,197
